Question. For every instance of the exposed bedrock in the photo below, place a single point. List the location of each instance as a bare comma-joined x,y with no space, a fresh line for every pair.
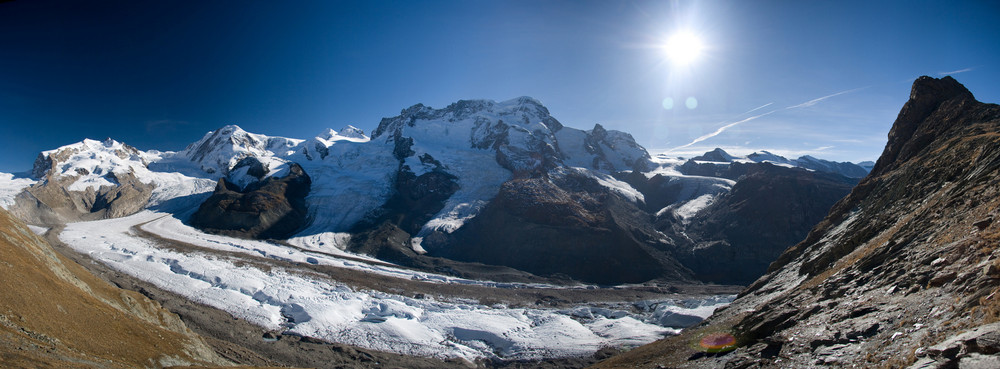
272,208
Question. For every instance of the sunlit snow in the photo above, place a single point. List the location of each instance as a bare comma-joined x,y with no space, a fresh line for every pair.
297,303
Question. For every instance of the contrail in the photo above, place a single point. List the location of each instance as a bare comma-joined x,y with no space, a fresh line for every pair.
963,70
731,125
817,100
757,108
722,129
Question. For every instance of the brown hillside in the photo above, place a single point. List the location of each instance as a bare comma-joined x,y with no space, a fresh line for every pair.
54,314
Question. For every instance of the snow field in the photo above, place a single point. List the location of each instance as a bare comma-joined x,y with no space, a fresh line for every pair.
296,303
10,186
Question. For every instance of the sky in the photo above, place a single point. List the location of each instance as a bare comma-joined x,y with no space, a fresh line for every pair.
821,78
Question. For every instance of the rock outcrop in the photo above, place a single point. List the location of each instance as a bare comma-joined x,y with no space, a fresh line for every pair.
56,314
272,208
903,271
565,225
88,180
770,208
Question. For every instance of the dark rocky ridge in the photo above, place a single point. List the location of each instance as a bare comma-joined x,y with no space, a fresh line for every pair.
272,208
770,208
568,226
904,270
717,155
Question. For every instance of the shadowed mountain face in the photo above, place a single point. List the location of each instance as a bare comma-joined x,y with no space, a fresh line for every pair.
56,314
272,208
904,270
566,226
733,240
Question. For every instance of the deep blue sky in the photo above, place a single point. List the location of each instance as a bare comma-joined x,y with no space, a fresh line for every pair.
159,74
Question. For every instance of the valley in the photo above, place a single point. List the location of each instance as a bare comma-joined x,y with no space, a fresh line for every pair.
382,308
499,184
451,234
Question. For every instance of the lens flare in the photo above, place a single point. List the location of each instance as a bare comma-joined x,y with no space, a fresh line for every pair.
691,103
668,103
717,342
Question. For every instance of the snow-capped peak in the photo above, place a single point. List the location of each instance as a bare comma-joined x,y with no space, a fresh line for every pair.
717,155
524,111
767,156
218,151
808,162
91,162
350,131
327,134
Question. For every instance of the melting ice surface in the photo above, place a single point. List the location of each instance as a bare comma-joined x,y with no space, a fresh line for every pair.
296,302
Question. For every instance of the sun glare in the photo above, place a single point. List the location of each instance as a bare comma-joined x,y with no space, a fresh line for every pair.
683,48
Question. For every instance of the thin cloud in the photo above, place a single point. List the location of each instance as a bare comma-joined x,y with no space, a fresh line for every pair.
823,148
731,125
817,100
757,108
722,129
963,70
848,140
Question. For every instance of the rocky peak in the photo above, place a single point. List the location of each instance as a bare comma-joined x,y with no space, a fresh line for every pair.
612,151
352,132
349,132
100,156
327,134
908,135
718,155
219,151
271,208
522,111
599,132
764,155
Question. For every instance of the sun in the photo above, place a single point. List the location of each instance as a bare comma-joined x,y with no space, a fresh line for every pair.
683,48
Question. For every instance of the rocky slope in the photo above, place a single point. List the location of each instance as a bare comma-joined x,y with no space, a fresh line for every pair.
903,271
568,225
56,314
105,185
271,208
736,237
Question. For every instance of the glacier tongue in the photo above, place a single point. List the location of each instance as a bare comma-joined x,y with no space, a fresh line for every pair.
308,305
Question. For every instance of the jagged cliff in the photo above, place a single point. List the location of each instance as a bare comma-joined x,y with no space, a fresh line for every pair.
904,270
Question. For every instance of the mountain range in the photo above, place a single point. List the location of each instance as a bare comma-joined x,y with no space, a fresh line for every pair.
894,269
477,182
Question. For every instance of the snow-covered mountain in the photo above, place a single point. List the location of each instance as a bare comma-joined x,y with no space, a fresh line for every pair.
847,169
424,175
478,192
